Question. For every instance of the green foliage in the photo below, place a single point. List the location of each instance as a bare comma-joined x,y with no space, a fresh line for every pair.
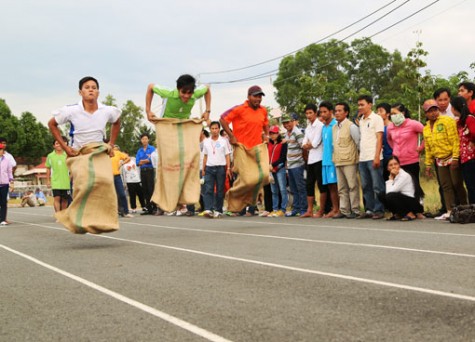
336,71
132,125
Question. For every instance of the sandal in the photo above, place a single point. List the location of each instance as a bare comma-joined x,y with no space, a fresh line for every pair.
407,218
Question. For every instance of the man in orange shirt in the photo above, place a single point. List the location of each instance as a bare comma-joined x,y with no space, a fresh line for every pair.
249,121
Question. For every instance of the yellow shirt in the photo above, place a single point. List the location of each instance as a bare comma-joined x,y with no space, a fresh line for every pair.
442,140
115,160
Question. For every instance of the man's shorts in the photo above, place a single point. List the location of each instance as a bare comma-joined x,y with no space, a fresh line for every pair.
329,174
65,194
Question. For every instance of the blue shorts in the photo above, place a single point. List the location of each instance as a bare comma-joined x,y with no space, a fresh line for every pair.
329,174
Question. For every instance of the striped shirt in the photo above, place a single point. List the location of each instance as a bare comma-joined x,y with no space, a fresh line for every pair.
294,148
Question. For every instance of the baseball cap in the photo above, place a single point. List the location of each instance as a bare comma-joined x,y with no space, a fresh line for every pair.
428,104
274,129
255,90
285,118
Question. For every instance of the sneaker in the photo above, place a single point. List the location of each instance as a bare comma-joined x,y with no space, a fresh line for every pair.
272,214
278,213
365,215
217,214
178,213
201,213
230,213
170,213
352,216
128,215
444,216
265,213
133,211
4,223
291,213
208,213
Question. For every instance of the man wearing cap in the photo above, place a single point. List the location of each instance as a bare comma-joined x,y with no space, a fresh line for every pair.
249,120
295,164
442,144
250,123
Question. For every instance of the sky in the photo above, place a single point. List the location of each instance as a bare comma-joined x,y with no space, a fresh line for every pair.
48,45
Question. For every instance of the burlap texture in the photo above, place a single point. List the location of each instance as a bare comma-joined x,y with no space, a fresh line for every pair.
252,168
94,206
178,174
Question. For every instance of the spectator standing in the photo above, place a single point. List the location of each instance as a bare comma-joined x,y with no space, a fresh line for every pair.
117,160
312,142
467,91
143,159
277,158
346,139
131,177
3,141
466,130
442,97
442,144
216,167
384,111
295,165
328,167
6,178
371,173
57,175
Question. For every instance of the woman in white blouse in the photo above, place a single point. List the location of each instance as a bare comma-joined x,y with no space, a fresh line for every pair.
401,197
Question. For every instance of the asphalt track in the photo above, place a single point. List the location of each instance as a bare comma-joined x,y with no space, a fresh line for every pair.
237,279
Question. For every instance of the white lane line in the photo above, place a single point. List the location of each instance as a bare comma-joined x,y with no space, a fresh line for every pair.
148,309
316,226
291,268
356,228
299,269
328,242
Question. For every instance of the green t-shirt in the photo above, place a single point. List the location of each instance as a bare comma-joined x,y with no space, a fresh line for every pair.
173,106
59,171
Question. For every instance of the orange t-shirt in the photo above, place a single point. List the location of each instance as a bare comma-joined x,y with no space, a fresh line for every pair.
248,123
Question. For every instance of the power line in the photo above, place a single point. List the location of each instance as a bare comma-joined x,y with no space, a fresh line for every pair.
404,19
275,72
291,53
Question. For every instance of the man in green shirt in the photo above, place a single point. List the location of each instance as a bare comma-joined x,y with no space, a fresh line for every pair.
57,174
177,103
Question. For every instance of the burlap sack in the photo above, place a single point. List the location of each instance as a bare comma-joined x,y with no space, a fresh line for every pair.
94,206
252,167
178,174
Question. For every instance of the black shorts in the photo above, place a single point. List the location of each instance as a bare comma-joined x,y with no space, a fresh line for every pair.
65,194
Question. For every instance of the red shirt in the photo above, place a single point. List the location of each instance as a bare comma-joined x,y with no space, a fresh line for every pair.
467,139
248,123
471,106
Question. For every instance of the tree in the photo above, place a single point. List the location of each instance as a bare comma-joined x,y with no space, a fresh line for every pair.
34,140
130,119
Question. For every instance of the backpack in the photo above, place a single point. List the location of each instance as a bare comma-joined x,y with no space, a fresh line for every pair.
463,214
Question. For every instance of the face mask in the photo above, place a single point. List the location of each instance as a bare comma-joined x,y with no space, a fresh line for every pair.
398,119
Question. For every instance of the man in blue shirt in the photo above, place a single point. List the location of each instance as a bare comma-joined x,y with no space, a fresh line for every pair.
147,175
